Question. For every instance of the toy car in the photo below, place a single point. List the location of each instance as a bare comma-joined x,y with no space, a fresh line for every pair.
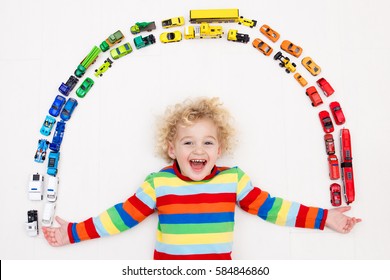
57,137
141,42
142,26
121,51
325,86
40,154
247,22
262,46
84,87
285,62
203,31
52,166
269,33
66,88
314,96
311,66
172,22
234,36
69,107
32,223
113,39
346,166
103,68
335,194
52,188
337,112
169,37
329,144
47,125
57,105
326,121
301,80
292,49
334,170
48,214
35,187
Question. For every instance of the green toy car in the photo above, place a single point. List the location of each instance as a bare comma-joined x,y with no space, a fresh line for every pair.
113,39
121,51
103,68
141,42
84,87
142,26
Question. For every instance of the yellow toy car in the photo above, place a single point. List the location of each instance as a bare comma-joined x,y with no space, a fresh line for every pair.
291,48
172,22
121,51
247,22
311,66
170,37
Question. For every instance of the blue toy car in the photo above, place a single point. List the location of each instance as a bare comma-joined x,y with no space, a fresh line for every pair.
58,135
57,105
52,165
40,154
47,125
69,107
66,88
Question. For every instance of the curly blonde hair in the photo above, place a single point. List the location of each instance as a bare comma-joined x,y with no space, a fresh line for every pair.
190,111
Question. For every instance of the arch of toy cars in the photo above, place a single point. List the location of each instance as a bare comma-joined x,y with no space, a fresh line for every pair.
250,46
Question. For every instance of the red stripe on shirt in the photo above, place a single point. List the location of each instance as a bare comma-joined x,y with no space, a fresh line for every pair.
164,256
195,198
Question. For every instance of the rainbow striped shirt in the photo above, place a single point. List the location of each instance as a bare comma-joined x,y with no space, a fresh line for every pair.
196,219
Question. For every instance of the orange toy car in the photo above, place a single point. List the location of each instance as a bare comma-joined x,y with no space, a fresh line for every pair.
311,66
270,33
314,96
262,46
291,48
301,80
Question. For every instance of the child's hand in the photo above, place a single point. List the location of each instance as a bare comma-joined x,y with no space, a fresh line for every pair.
57,236
339,222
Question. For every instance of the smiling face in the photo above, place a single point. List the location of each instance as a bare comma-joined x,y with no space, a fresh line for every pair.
196,148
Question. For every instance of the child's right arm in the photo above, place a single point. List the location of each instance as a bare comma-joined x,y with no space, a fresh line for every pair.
115,219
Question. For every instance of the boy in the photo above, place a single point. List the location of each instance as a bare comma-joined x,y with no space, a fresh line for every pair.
195,200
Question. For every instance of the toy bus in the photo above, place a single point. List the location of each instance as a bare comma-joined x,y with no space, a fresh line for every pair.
218,15
346,165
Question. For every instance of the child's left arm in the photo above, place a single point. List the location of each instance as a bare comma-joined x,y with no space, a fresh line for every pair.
339,222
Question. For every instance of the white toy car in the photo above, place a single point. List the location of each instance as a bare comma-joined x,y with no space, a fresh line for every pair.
35,187
32,223
52,188
48,214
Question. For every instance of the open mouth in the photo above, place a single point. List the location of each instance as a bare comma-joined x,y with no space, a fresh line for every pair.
197,164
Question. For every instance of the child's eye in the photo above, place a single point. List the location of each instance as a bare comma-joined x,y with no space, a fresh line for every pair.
188,143
209,143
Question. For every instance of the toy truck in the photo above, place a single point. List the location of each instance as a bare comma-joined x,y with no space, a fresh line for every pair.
346,165
142,26
113,39
87,61
203,31
285,62
234,36
32,223
141,42
35,187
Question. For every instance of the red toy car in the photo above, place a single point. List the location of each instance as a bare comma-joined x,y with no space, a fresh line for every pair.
326,121
337,112
334,170
325,86
329,144
314,96
335,194
346,165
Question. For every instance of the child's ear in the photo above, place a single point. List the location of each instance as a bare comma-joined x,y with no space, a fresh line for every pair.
219,151
171,151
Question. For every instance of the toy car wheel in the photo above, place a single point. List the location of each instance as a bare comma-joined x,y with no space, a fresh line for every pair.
281,64
294,64
312,104
288,71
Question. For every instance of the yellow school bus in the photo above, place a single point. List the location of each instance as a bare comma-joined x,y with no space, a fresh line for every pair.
220,15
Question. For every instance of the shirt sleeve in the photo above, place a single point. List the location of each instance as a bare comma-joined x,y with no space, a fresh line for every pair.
119,217
277,210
